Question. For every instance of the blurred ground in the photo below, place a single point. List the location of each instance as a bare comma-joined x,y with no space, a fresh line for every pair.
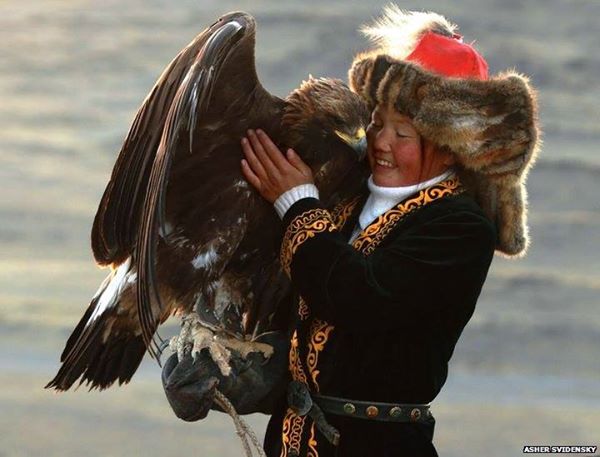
72,75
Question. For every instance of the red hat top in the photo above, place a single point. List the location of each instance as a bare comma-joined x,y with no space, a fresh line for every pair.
427,39
448,56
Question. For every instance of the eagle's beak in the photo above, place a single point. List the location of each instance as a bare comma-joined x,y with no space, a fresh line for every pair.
358,142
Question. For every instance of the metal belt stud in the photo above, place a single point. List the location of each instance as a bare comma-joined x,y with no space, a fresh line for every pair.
349,408
395,412
372,411
415,414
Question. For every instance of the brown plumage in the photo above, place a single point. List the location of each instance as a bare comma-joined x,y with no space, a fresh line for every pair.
179,225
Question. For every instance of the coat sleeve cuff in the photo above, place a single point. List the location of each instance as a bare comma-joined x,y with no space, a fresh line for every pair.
291,196
303,220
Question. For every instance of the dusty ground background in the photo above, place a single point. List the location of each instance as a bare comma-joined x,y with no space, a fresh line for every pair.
72,75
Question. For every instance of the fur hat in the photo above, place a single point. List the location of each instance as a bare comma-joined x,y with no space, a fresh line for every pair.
422,69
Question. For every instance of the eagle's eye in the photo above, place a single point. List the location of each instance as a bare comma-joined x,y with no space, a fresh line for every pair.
338,122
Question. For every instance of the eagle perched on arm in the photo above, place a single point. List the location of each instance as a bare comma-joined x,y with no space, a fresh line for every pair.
180,227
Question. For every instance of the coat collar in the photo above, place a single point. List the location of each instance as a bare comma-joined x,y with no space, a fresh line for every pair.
382,198
346,214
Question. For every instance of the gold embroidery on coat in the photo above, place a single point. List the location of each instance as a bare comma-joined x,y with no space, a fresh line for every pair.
291,434
303,227
295,365
303,310
312,443
343,210
372,235
285,433
318,336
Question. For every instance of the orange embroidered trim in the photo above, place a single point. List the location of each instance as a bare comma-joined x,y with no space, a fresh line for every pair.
303,310
343,210
291,434
371,236
295,365
303,227
312,443
319,334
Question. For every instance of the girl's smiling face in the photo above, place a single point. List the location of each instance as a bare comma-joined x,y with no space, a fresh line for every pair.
397,154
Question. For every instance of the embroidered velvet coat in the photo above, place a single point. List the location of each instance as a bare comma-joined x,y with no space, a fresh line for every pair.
378,319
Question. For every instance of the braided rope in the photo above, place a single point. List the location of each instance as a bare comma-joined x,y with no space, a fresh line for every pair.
242,428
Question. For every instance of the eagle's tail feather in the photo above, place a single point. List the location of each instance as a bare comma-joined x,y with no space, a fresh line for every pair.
99,364
94,357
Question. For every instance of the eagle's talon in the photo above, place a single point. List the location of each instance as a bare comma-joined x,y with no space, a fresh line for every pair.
194,337
221,356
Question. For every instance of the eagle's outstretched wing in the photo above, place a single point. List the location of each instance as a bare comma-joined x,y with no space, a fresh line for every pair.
192,120
117,220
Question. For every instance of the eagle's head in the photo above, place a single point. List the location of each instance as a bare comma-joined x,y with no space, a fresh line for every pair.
325,123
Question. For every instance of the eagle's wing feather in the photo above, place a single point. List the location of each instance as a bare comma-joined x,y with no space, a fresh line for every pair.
106,345
196,112
116,223
220,93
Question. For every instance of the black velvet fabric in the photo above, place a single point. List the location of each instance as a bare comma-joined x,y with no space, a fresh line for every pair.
397,315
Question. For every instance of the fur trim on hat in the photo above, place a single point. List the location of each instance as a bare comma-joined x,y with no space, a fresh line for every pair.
397,32
491,126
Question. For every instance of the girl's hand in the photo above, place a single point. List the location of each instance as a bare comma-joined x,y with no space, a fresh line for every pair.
268,170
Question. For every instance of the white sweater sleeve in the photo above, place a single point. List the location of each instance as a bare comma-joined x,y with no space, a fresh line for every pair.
291,196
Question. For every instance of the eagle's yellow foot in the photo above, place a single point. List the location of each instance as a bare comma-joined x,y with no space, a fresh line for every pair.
195,336
243,348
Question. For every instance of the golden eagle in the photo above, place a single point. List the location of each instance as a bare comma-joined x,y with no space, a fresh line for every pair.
178,224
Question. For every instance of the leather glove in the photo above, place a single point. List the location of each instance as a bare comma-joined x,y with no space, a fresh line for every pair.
254,385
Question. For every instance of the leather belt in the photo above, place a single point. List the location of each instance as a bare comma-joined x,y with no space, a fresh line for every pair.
303,402
378,411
